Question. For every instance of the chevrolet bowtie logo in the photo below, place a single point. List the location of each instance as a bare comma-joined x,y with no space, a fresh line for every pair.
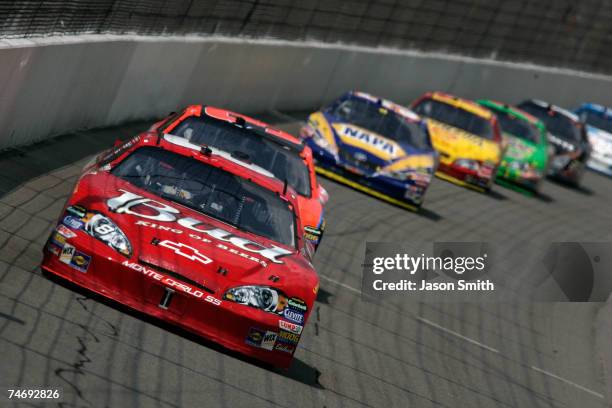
186,251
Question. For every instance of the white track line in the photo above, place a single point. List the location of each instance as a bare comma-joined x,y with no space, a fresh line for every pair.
475,342
345,286
573,384
454,333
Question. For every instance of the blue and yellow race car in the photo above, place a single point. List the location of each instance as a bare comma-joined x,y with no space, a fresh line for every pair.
375,146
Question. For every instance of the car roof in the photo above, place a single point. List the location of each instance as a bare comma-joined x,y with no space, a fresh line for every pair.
461,103
504,107
569,114
387,104
594,107
218,159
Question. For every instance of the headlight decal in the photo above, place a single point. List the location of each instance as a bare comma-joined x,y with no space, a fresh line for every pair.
99,227
260,297
105,230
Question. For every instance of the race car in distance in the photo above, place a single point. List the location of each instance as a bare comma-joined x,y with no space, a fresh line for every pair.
374,146
174,230
466,135
567,138
598,122
242,138
526,146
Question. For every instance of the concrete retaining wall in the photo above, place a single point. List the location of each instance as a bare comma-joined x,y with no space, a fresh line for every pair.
51,86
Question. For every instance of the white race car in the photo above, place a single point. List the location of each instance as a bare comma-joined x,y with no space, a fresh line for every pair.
598,120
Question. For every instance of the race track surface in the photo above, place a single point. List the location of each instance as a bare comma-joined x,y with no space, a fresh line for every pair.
354,353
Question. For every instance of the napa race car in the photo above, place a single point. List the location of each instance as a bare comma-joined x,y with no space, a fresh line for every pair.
174,230
374,146
243,138
570,148
598,122
526,146
467,137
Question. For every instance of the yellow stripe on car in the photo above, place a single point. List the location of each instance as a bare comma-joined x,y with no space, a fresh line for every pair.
319,123
412,162
336,177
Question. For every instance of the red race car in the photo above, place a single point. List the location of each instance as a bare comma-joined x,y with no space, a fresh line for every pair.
247,139
194,237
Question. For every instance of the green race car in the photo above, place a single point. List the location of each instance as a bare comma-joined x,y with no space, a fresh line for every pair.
526,146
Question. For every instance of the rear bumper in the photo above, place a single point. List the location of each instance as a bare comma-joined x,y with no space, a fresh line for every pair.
231,325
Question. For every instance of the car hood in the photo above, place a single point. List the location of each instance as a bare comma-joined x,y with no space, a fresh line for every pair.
519,149
380,150
598,133
190,245
457,143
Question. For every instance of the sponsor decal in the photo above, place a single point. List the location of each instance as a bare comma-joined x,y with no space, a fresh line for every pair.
58,239
268,341
288,337
171,282
80,261
54,249
186,251
64,231
297,304
72,222
202,239
118,151
67,253
284,347
133,204
377,142
291,327
77,211
293,315
255,337
312,233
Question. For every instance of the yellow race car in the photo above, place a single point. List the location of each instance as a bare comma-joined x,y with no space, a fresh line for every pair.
467,137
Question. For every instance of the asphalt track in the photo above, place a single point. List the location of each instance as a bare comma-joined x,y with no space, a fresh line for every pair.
354,352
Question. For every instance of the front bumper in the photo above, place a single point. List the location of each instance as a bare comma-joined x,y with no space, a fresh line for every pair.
566,169
600,163
464,177
233,326
406,194
525,179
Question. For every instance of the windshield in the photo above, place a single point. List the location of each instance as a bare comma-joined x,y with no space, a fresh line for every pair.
518,127
597,120
555,122
279,160
385,122
456,117
211,191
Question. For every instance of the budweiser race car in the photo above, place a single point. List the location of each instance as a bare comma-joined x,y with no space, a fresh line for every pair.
466,135
374,146
250,140
194,237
